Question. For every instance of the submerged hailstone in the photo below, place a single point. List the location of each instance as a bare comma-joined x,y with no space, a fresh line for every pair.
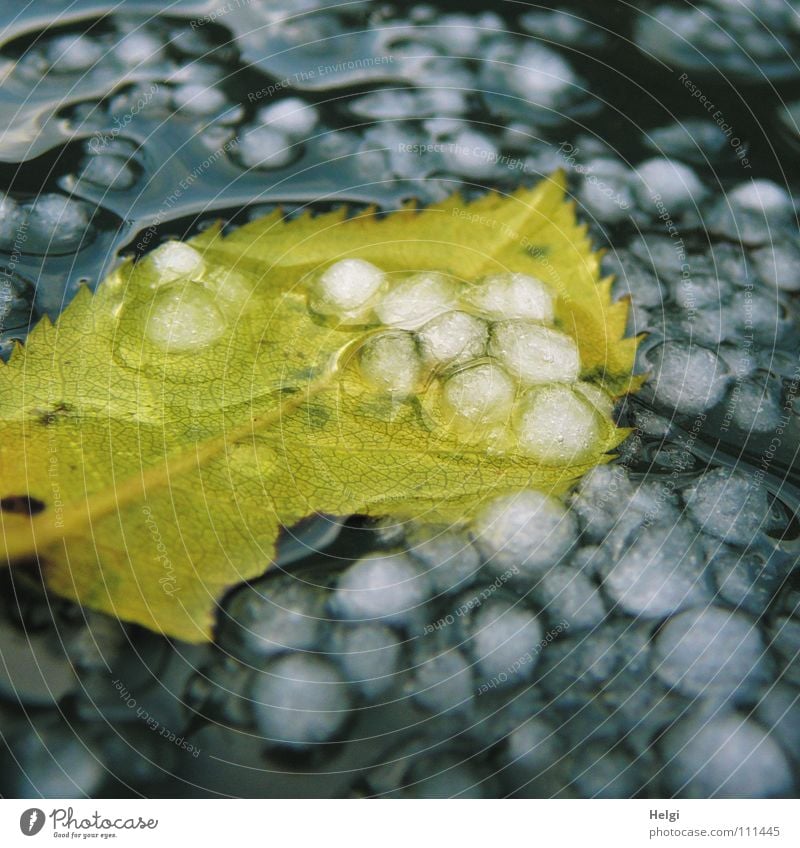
658,574
674,183
292,116
10,219
368,655
778,263
109,171
762,196
450,559
728,505
514,296
390,363
265,147
556,425
528,529
386,105
417,300
533,747
71,53
540,75
16,294
711,652
56,224
443,682
568,595
138,48
602,499
80,771
275,615
479,395
752,212
346,290
687,377
725,756
382,587
198,99
472,154
695,140
503,635
535,354
606,191
300,700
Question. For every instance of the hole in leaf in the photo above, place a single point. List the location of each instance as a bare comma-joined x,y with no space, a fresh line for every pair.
22,505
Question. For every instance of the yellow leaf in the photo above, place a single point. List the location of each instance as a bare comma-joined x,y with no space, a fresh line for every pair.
154,440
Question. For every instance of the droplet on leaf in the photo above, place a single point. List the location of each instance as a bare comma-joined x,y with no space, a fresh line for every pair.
453,337
535,354
417,300
390,363
557,426
346,290
174,260
479,395
185,318
597,397
514,296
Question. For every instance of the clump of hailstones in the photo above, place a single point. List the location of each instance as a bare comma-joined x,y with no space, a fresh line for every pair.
487,360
